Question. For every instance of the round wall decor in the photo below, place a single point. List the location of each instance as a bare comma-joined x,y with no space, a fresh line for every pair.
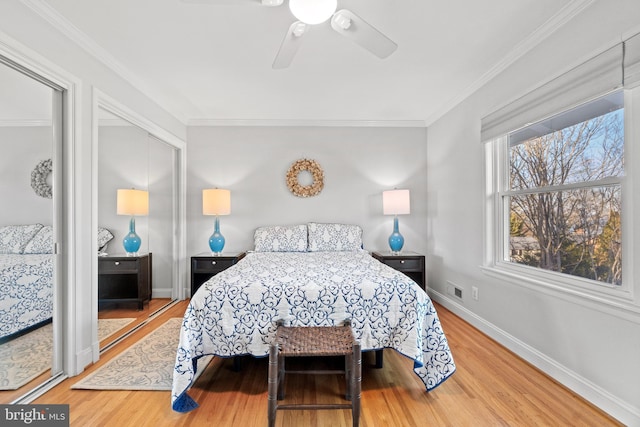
39,179
293,176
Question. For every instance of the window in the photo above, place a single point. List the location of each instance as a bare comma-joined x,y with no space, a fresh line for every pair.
559,193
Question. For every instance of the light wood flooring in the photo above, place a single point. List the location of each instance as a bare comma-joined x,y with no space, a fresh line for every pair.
491,387
110,312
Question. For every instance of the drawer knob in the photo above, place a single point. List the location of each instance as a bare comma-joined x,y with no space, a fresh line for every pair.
117,263
401,261
213,263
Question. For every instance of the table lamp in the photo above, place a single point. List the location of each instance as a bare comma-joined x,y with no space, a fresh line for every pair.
216,201
396,202
132,202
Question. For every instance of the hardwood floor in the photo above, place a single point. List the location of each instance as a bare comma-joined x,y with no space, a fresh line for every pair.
109,312
492,387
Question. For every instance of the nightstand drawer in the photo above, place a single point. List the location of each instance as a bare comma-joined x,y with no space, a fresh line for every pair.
118,266
204,265
410,264
404,264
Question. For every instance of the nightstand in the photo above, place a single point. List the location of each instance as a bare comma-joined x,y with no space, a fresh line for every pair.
123,279
206,265
409,263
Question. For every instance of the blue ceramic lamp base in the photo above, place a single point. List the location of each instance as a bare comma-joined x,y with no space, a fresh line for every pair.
216,241
396,241
132,241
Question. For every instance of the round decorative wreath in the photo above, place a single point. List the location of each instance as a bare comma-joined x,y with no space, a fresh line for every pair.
39,179
314,169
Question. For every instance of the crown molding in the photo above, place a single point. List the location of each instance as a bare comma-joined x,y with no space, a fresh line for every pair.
63,25
308,123
557,21
96,51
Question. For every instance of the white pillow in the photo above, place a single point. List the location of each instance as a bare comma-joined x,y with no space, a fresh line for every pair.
42,242
14,238
334,237
277,238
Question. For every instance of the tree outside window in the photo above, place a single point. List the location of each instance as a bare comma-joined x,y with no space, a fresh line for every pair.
564,195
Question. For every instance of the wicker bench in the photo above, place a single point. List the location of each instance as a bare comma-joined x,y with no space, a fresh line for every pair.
314,341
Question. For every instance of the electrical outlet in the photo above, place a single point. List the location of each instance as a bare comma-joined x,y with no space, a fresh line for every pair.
474,293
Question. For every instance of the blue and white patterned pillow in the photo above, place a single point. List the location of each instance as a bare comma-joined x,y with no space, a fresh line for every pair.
13,238
104,237
277,238
41,243
334,237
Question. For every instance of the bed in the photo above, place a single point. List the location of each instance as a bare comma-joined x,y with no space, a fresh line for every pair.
26,278
309,275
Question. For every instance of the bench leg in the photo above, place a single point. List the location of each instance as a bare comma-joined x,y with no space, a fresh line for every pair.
273,384
356,383
281,376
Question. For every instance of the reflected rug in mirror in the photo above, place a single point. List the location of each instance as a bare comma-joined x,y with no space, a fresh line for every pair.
146,365
28,356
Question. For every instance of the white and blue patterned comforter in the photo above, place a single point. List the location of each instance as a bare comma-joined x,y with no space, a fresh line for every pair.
235,312
26,291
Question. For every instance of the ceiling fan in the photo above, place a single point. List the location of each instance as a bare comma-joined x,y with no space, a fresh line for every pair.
344,22
314,12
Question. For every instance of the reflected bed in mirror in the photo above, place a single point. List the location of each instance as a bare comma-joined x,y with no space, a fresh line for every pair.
26,276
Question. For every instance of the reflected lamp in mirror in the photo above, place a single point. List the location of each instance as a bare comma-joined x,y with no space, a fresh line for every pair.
396,202
132,202
216,201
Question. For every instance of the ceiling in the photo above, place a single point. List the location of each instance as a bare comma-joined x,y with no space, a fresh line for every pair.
209,61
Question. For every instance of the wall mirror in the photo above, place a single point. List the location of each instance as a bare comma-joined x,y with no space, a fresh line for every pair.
30,165
131,286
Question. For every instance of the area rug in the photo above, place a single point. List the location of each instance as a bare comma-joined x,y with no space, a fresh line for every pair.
107,327
28,356
146,365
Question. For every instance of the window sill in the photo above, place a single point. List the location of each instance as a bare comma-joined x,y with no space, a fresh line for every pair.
622,305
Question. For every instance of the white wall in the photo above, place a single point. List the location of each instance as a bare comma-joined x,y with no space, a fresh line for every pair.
22,149
592,349
358,164
25,31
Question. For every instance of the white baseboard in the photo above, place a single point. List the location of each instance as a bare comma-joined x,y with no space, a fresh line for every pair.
617,408
161,293
83,359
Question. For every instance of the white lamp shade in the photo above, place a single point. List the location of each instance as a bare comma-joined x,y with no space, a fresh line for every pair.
396,202
132,202
313,11
216,201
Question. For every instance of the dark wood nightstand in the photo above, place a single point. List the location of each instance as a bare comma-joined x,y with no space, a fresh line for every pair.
409,263
123,279
206,265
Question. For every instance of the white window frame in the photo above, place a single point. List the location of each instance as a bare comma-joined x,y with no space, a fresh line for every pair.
497,232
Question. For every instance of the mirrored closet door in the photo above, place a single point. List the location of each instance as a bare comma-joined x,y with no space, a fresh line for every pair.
135,279
30,190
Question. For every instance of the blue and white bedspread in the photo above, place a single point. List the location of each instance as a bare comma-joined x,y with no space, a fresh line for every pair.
26,291
235,312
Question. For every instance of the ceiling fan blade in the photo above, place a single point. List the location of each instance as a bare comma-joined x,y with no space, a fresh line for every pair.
361,32
290,45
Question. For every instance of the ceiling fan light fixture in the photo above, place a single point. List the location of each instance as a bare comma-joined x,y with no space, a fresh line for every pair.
298,29
313,11
342,21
